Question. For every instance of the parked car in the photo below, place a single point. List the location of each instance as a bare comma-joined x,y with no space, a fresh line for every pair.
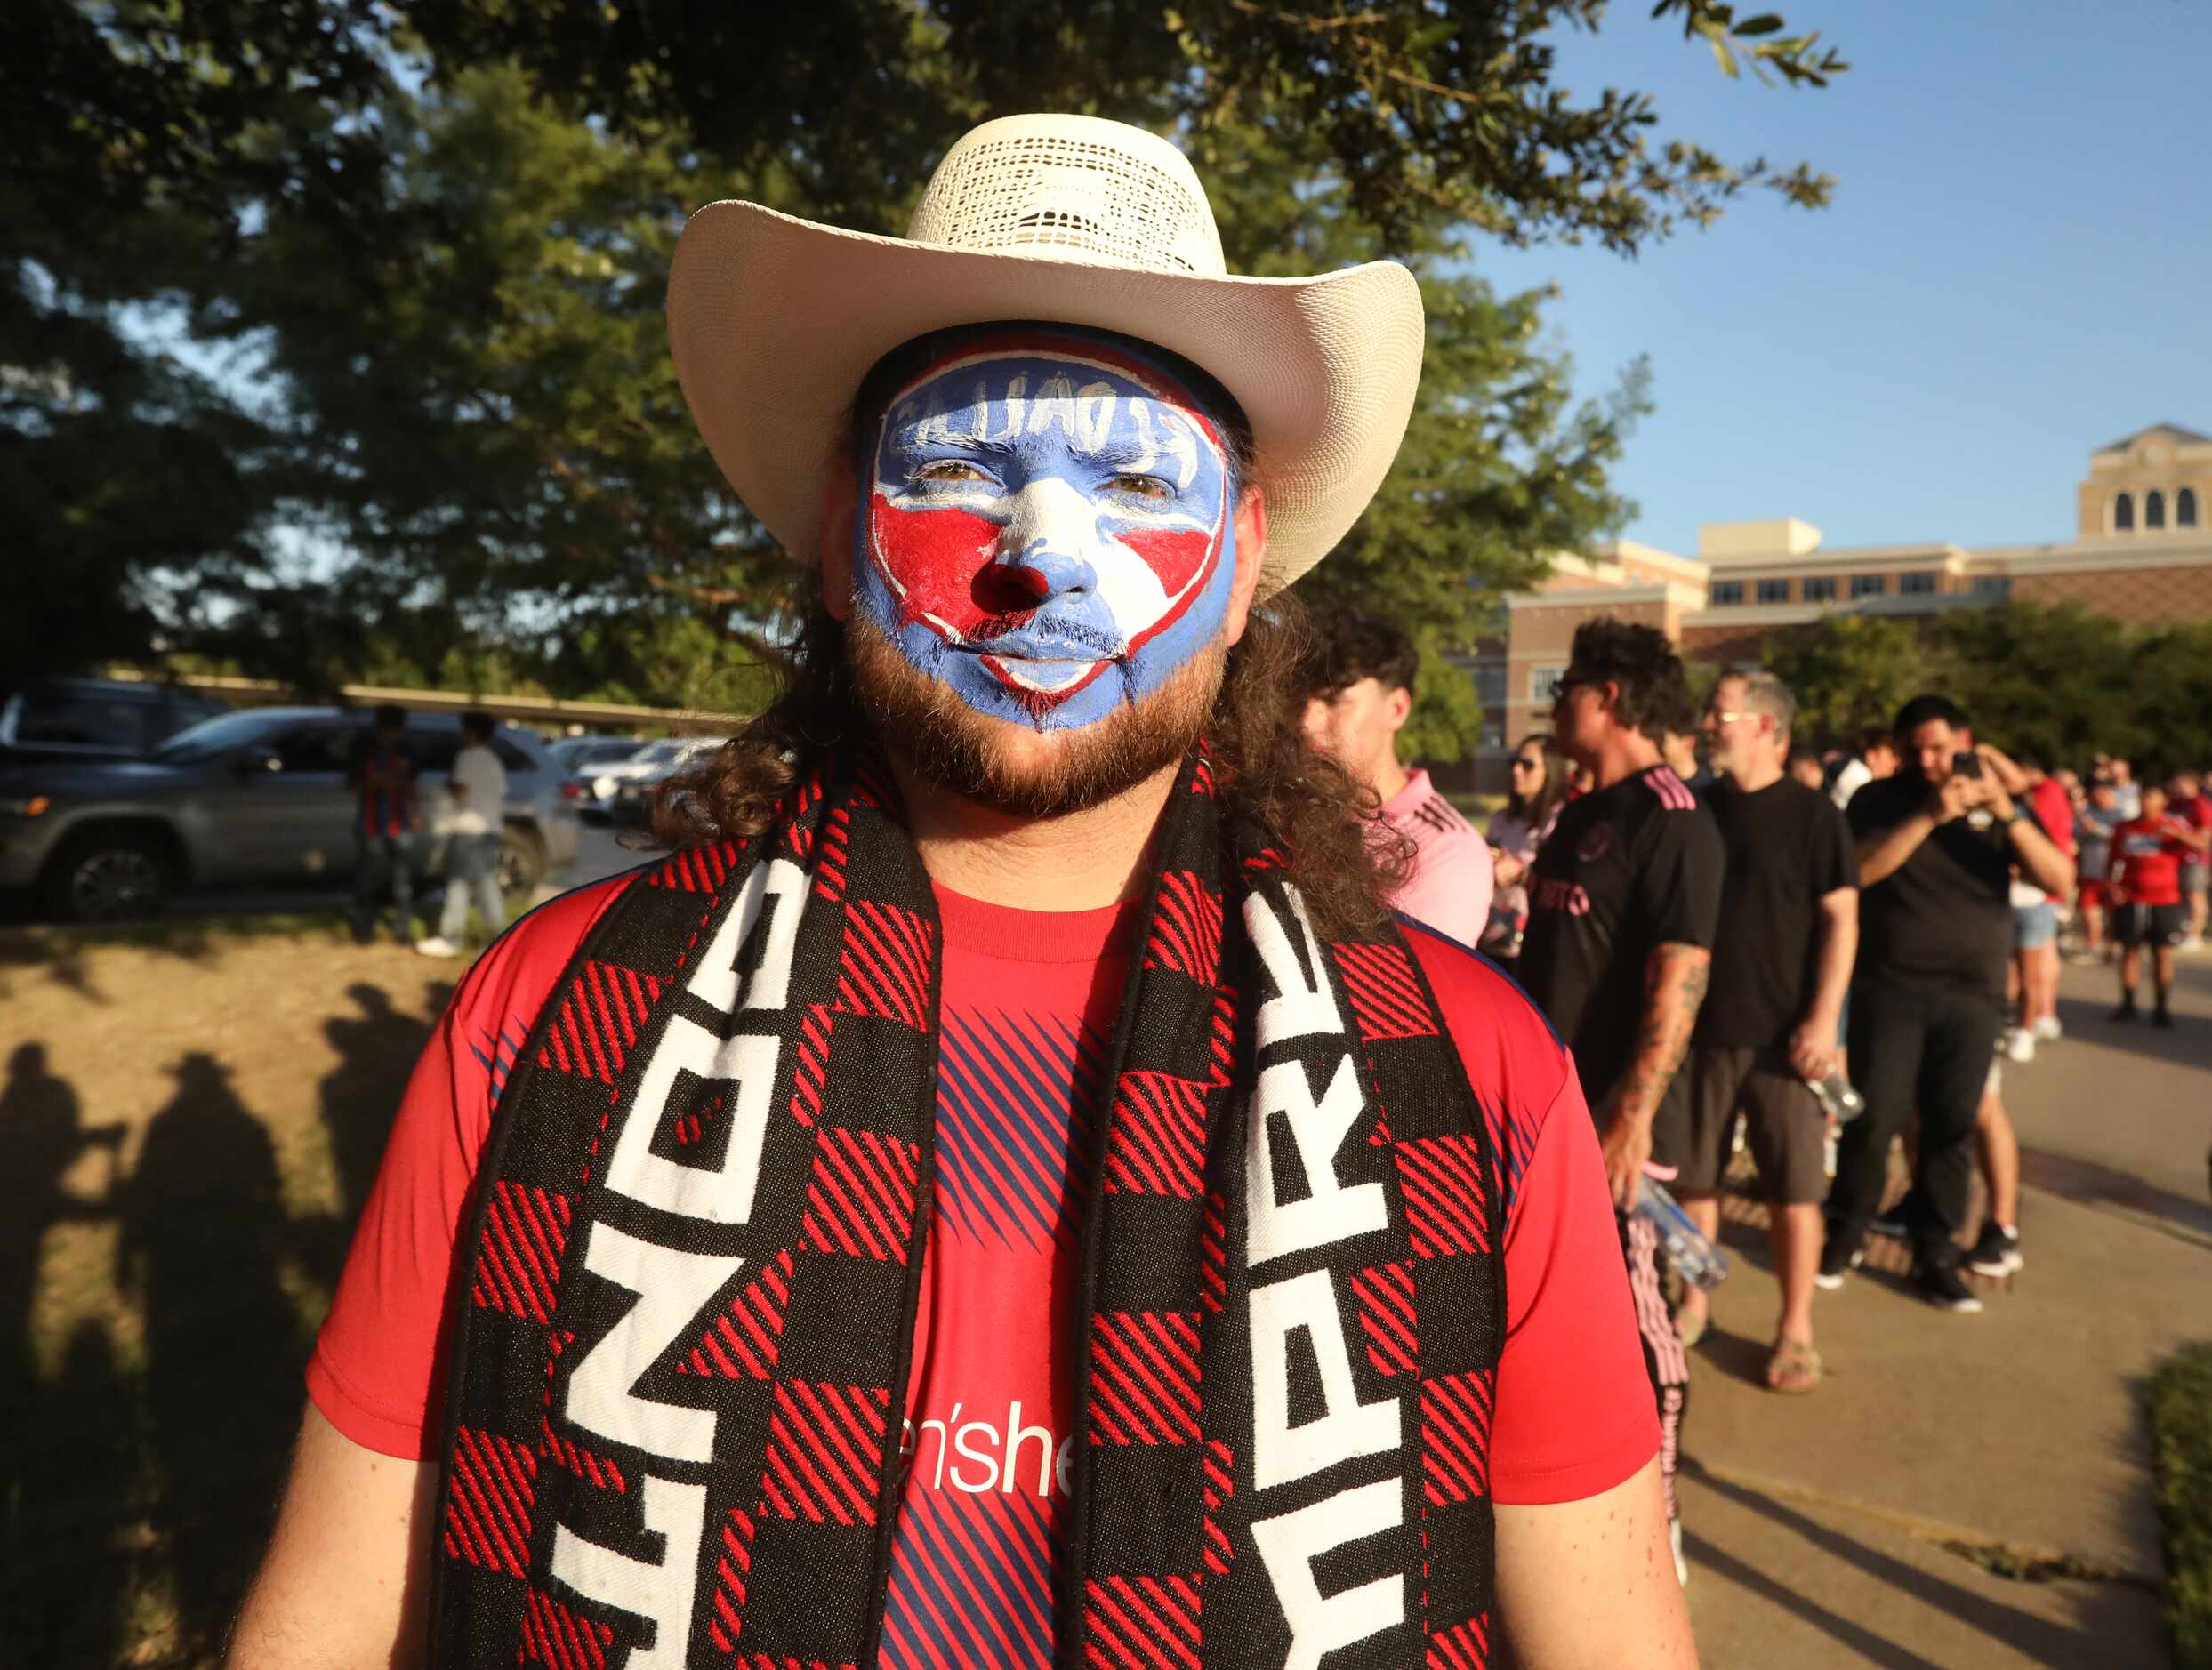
620,788
253,799
579,753
588,760
73,719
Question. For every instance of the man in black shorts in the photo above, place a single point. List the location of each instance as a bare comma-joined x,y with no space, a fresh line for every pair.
1623,901
1937,844
2148,854
1782,963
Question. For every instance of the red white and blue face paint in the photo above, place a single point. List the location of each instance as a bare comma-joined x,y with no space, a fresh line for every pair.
1049,527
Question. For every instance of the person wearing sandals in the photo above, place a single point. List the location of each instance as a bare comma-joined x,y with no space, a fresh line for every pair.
1782,963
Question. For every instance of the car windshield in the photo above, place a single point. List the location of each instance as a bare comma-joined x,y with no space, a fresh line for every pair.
214,736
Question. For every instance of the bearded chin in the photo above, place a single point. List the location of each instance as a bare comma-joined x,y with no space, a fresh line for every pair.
1017,769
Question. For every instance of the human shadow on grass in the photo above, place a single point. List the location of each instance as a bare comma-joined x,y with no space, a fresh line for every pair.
69,1554
2038,1639
65,1443
204,1230
377,1047
42,1134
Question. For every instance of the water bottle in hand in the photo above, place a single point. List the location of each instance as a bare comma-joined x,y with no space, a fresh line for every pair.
1843,1104
1695,1259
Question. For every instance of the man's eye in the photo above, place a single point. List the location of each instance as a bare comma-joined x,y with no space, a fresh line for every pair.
1143,486
950,469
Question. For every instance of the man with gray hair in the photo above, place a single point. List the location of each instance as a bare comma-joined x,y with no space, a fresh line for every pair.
1781,962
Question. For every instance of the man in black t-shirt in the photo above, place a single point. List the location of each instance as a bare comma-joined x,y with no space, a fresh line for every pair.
1937,843
1782,963
1622,898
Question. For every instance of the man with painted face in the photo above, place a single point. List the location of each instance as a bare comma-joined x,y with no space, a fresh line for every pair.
1001,1192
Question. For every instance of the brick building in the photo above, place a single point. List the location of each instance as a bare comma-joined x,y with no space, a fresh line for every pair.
2142,551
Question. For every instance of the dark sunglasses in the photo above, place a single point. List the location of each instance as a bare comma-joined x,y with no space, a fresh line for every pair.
1527,765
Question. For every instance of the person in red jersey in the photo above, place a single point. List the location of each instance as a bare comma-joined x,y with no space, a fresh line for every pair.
1002,1191
2145,879
1359,693
2188,800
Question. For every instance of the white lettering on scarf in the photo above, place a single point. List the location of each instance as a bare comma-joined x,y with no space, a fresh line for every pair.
717,1194
1330,1211
1290,1544
1322,1212
663,1593
672,1286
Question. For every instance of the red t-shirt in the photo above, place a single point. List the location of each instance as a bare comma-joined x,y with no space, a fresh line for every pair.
2147,859
2055,812
1028,1005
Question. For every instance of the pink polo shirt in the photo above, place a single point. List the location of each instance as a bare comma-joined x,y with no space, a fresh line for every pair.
1450,885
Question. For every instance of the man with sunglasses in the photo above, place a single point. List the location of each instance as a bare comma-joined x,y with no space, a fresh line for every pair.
1625,903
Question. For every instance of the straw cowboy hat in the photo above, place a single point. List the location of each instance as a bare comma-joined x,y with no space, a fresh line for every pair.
774,321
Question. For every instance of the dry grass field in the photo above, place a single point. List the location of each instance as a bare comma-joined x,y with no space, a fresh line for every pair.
191,1115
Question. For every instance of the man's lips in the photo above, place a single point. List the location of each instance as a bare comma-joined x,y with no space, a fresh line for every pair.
1064,643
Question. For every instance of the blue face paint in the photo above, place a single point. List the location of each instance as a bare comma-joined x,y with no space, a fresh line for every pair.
1049,527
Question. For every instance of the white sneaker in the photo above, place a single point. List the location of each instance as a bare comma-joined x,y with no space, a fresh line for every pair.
2046,1027
2020,1045
1674,1541
438,945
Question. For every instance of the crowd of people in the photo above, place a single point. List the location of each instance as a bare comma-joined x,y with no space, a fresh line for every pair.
1744,940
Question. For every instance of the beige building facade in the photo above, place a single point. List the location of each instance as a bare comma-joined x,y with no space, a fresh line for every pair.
2141,552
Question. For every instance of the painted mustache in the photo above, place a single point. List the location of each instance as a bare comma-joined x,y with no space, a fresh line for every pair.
1023,636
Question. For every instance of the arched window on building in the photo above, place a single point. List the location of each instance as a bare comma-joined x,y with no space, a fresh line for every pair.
2186,508
2123,513
2154,508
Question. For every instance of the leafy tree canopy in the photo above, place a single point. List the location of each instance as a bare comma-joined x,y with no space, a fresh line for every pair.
2060,681
410,393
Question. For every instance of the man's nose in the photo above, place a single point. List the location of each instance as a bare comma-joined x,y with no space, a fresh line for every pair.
1049,549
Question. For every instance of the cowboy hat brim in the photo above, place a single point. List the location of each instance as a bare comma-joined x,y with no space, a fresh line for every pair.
774,321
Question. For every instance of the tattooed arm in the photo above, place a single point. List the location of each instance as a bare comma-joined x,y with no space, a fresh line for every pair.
1675,979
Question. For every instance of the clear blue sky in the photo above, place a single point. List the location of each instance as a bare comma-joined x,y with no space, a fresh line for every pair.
2016,268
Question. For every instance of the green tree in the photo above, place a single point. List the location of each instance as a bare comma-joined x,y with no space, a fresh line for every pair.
2064,682
1850,671
441,236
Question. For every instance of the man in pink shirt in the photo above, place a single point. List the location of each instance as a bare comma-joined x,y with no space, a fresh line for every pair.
1359,684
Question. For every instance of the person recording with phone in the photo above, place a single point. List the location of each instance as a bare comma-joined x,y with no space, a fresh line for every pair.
1936,845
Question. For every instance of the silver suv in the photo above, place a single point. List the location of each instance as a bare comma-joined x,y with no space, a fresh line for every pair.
252,798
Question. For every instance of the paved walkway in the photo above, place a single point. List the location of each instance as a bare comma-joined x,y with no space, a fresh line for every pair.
1870,1522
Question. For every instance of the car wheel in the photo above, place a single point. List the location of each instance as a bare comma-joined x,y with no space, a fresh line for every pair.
521,860
109,877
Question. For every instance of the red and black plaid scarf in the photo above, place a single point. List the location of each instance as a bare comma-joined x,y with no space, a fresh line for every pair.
681,1348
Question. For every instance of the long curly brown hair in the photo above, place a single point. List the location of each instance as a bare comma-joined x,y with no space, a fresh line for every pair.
1344,858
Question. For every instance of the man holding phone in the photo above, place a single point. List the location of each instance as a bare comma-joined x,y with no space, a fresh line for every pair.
1936,845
